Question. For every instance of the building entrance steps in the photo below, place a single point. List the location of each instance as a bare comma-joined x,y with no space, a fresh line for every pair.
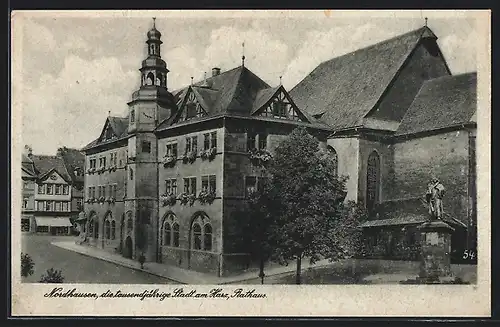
180,275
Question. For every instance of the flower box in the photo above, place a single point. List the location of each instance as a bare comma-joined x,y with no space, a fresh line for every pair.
101,199
191,156
168,199
169,161
187,198
204,154
211,153
259,157
206,197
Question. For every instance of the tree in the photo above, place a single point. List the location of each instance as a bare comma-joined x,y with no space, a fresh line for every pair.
255,221
27,265
52,276
304,202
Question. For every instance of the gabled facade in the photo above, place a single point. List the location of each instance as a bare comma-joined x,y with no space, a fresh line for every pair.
169,180
52,191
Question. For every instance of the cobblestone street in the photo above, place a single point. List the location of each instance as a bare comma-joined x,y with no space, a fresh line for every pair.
77,268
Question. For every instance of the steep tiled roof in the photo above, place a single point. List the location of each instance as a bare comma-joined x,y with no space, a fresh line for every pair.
119,126
74,160
346,88
440,103
233,91
46,164
27,165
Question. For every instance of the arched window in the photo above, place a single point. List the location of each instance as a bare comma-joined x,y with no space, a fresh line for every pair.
175,236
113,230
159,79
96,227
167,233
107,229
91,227
150,79
335,160
201,239
130,223
196,236
372,180
207,237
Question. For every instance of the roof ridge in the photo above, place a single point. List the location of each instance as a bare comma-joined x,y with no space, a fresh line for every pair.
450,76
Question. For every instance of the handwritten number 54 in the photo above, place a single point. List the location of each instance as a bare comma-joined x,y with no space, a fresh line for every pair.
469,255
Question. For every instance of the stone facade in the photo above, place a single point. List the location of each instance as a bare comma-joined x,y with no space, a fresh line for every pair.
185,160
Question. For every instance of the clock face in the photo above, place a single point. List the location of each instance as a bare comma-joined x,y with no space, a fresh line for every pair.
53,177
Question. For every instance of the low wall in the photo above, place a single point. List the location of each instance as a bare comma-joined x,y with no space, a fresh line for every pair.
374,266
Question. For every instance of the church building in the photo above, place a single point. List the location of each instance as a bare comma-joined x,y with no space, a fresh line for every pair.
168,180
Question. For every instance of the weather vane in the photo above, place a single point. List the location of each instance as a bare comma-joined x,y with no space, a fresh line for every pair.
243,54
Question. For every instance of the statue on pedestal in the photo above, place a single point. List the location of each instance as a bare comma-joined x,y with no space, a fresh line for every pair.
434,198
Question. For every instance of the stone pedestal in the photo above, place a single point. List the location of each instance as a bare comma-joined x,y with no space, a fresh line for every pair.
435,265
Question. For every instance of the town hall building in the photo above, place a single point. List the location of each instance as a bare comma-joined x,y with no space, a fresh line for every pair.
168,180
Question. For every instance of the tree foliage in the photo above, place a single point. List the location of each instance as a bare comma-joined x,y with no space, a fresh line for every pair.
52,276
27,265
303,202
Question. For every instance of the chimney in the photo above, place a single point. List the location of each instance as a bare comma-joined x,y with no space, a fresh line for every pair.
215,71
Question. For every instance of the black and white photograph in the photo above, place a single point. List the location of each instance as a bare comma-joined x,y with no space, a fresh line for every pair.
242,150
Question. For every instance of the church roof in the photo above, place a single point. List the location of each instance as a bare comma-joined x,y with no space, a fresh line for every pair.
441,102
344,89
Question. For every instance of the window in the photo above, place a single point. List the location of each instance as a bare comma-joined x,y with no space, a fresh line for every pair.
58,206
207,237
172,150
132,115
167,233
201,233
96,227
190,110
113,230
208,183
190,185
146,146
41,189
102,162
25,203
39,205
57,188
191,144
372,180
206,141
107,229
65,189
50,189
175,232
113,190
196,237
25,185
130,223
250,185
333,156
131,174
256,140
213,140
65,206
171,186
79,204
25,225
93,163
279,109
49,205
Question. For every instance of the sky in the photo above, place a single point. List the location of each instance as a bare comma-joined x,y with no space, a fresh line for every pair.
77,69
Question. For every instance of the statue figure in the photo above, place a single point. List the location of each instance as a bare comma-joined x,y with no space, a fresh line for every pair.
434,198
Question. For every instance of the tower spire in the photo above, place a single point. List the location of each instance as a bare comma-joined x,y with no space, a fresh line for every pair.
154,22
243,54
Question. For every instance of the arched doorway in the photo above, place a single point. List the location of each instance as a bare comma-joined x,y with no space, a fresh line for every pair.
128,250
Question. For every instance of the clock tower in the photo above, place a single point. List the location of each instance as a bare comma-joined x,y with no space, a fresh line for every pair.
151,104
